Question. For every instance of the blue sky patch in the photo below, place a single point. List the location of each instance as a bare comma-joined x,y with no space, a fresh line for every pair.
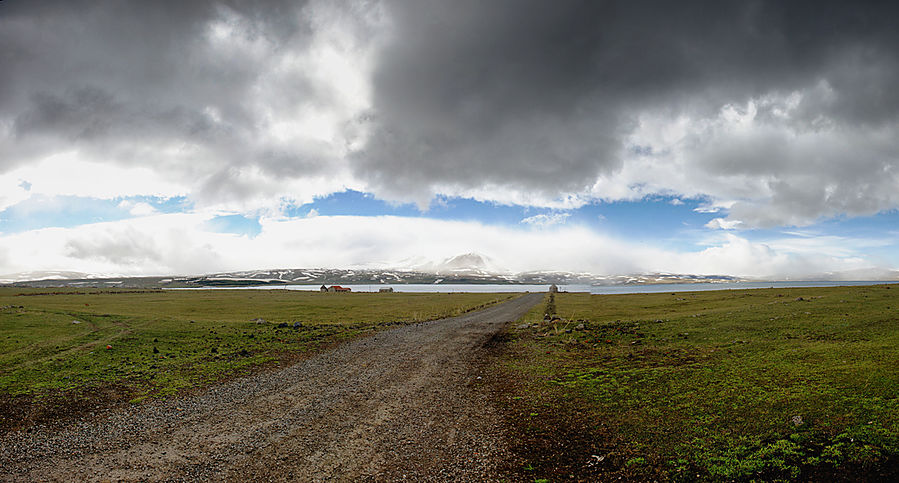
658,220
58,211
41,211
236,224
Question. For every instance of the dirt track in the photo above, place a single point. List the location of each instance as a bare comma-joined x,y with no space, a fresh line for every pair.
402,404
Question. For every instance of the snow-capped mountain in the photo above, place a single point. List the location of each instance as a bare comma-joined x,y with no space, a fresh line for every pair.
468,268
474,264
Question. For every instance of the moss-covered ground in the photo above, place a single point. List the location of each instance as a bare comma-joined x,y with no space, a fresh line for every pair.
57,346
772,384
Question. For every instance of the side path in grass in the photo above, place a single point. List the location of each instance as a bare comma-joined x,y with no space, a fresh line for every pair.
404,403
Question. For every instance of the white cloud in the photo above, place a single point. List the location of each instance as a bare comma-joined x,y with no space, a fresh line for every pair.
772,160
179,244
137,209
723,224
544,220
11,192
74,174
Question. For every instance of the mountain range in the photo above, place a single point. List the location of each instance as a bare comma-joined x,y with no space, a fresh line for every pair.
468,268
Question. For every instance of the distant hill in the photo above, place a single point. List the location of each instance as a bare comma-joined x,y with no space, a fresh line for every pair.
320,276
44,275
467,268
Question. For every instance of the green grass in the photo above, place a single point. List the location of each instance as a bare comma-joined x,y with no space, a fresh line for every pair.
771,384
163,341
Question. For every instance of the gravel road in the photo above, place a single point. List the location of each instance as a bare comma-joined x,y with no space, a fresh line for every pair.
407,403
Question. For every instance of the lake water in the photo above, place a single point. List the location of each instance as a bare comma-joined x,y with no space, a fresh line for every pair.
594,289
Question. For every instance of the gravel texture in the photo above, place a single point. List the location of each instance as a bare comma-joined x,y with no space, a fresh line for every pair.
407,403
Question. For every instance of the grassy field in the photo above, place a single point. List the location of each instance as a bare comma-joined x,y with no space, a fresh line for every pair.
729,385
54,344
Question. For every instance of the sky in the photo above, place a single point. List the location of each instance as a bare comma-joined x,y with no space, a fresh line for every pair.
747,138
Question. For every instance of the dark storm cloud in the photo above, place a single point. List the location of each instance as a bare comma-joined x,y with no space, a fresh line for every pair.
490,98
538,95
118,80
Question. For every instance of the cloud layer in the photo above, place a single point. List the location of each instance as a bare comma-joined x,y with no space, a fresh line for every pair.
183,244
784,112
773,113
233,104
